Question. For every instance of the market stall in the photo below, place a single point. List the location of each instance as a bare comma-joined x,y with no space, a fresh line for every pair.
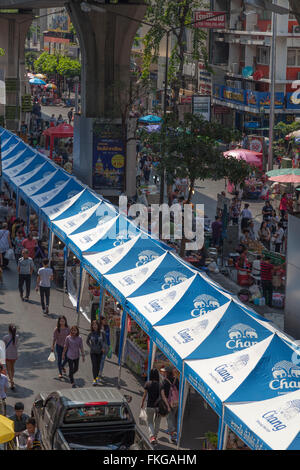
63,131
188,317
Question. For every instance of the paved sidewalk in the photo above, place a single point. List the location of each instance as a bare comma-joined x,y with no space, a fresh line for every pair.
34,373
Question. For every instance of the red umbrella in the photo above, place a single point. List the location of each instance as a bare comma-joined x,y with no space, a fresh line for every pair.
286,178
253,158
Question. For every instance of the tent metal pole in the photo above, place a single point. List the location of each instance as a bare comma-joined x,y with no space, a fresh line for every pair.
81,285
181,404
123,338
28,219
225,437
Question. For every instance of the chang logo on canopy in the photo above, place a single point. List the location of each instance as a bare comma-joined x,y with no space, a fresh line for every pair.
241,336
72,194
59,183
129,280
103,220
173,278
86,206
228,371
123,237
204,304
158,304
187,335
285,375
280,418
145,257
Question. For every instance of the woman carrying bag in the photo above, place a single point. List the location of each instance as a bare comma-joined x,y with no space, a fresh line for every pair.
96,341
73,346
59,337
152,392
170,395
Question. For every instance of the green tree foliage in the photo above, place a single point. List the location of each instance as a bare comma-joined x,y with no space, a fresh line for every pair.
191,150
30,58
68,67
2,51
280,145
46,63
174,15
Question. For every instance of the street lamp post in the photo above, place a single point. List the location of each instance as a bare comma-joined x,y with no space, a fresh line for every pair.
272,91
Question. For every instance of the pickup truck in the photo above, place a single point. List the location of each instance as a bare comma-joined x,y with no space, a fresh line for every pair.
87,419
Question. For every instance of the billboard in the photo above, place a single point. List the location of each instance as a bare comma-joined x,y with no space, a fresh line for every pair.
108,157
201,106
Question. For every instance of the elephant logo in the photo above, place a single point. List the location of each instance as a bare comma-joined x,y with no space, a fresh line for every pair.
145,257
284,369
241,336
204,304
123,237
173,278
242,331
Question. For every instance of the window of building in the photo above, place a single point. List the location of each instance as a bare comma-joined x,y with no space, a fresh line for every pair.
263,55
293,57
265,15
242,52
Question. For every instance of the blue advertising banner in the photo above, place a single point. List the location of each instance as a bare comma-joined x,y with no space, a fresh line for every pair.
259,98
290,104
108,157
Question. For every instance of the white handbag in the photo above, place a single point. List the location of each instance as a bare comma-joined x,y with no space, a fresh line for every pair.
51,357
9,254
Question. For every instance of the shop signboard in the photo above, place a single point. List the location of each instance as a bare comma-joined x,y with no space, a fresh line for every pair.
290,104
11,84
12,112
234,95
260,99
108,157
201,106
210,19
256,143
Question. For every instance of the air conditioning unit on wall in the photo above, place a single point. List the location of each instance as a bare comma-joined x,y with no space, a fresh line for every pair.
234,68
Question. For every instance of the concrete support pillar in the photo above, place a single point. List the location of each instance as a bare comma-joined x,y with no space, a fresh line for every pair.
106,41
13,30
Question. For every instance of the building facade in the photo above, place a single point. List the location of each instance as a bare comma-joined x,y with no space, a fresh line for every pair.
240,55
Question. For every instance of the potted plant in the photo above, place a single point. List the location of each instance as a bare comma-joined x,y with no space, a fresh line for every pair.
212,440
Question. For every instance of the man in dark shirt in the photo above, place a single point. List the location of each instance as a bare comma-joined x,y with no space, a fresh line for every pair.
216,228
19,418
266,274
267,211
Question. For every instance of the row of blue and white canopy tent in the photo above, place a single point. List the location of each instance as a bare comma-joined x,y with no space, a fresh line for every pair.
244,367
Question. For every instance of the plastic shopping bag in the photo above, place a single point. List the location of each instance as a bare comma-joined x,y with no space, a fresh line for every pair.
109,352
9,254
143,417
51,357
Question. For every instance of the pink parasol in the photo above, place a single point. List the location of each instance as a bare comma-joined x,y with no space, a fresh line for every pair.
286,178
253,158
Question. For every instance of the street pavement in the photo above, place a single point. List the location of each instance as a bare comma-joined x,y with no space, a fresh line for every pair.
33,372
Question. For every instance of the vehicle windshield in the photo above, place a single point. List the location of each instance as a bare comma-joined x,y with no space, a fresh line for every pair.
97,413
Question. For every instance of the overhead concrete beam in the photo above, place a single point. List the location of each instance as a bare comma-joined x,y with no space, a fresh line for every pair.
295,6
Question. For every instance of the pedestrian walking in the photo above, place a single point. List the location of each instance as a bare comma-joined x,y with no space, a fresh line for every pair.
170,395
59,337
5,241
70,115
18,245
279,237
96,341
3,390
152,392
30,244
25,270
264,234
11,341
43,282
246,216
216,228
235,211
266,275
30,439
19,418
73,346
105,328
283,204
